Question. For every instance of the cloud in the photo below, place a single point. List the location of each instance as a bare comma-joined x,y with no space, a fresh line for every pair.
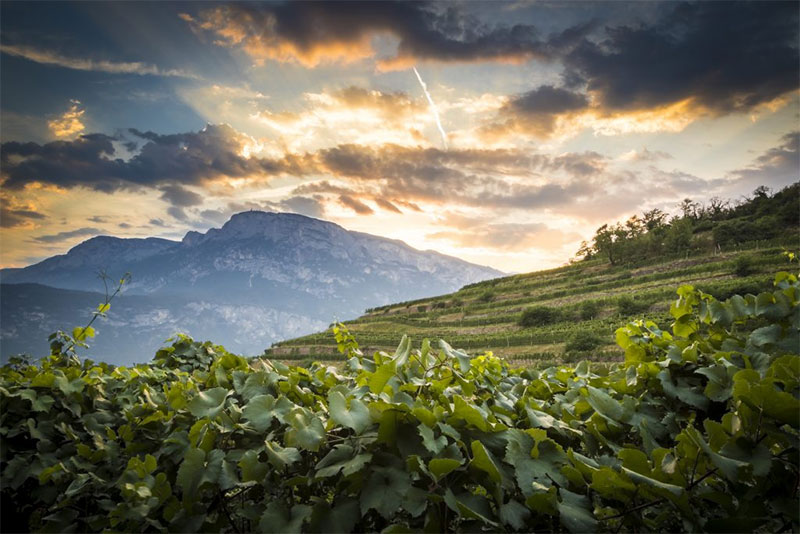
508,237
409,205
177,213
158,222
485,178
49,57
91,161
644,155
69,124
775,168
23,127
349,114
311,206
386,205
311,33
355,205
696,60
11,217
180,196
724,57
537,110
64,236
235,92
580,164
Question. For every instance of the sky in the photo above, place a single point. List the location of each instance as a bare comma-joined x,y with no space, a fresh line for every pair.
503,133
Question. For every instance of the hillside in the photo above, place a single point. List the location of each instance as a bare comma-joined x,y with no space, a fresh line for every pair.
569,313
589,296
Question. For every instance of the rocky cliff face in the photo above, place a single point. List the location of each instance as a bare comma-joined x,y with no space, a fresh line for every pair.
259,278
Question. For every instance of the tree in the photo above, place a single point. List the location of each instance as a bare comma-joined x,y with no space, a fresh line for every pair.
717,208
655,219
585,251
690,209
679,236
603,242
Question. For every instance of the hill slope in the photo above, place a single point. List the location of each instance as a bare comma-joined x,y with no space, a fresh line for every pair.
589,296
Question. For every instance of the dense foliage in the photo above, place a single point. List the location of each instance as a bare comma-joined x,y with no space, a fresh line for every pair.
763,216
539,316
697,431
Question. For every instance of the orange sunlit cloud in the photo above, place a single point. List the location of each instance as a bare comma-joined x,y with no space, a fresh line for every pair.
70,123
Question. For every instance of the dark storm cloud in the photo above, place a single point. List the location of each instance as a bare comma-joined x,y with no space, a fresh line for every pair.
89,161
536,111
728,56
11,217
179,196
63,236
546,100
177,213
311,32
65,163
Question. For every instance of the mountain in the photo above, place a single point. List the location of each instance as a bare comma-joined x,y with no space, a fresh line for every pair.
259,278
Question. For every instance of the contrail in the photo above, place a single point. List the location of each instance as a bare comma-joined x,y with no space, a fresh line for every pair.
433,108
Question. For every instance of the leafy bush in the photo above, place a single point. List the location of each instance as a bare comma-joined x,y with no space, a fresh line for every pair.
589,309
583,340
627,306
695,431
743,266
486,296
539,316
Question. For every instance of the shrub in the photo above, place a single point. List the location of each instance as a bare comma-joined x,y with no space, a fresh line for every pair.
627,306
589,309
743,266
422,308
539,316
486,296
583,340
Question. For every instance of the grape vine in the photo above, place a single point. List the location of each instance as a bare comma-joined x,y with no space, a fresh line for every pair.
698,430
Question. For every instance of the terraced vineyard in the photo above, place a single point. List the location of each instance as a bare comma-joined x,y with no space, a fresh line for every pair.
576,308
